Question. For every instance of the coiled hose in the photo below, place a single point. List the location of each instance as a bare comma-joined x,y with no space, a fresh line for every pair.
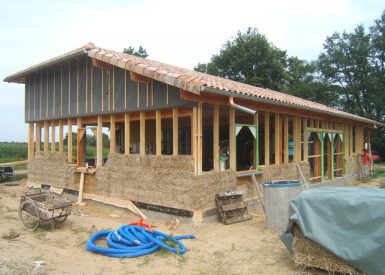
133,241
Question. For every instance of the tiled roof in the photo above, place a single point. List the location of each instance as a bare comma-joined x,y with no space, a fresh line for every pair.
189,80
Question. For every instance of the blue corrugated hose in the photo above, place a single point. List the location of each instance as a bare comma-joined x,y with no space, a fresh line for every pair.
133,241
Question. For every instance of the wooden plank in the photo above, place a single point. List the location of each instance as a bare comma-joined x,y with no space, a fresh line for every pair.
69,138
194,138
158,132
80,153
125,89
255,143
351,140
100,64
61,142
81,187
46,137
53,141
142,148
216,138
295,140
61,90
99,142
30,141
113,87
286,140
175,131
102,95
277,139
324,130
127,134
305,140
139,78
38,136
92,88
46,97
109,90
54,92
14,163
137,95
86,59
267,138
69,89
232,139
199,137
112,134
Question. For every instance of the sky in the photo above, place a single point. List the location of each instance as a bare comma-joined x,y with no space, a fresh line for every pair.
181,33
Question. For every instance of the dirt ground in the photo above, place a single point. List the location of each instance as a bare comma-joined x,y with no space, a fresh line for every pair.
241,248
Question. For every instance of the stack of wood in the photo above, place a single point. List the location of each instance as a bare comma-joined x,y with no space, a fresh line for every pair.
231,207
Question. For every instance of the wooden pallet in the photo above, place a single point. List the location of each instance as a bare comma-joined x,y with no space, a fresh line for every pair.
231,207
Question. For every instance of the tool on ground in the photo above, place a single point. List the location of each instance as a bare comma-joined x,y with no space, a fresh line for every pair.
134,241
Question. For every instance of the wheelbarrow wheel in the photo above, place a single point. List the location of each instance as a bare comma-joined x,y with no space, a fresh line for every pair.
29,216
60,219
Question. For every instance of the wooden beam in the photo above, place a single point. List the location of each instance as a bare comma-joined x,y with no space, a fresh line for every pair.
142,148
112,135
255,144
139,78
99,142
277,139
305,141
216,137
53,142
232,139
69,139
206,98
38,137
286,140
295,140
194,138
267,137
61,143
30,141
199,136
100,64
158,132
127,134
46,136
346,141
175,131
79,142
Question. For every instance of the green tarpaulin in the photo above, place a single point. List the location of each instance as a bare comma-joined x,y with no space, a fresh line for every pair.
347,221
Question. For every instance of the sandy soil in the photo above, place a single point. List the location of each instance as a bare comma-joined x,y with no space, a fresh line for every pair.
241,248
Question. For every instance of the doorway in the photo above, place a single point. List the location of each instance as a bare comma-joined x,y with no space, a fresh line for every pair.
246,147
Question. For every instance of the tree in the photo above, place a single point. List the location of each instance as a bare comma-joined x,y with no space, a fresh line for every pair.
249,58
141,52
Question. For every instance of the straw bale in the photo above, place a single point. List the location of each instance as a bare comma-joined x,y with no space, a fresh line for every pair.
310,254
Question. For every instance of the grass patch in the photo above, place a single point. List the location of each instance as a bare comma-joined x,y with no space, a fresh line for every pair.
15,178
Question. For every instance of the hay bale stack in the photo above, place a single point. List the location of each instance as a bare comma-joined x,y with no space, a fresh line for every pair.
310,254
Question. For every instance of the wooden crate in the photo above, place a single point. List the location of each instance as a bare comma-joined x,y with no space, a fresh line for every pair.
231,207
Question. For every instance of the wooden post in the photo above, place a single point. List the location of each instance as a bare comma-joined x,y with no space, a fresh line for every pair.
69,139
175,131
53,142
61,143
79,143
267,138
216,138
295,139
112,134
286,140
158,132
30,141
351,140
38,137
305,141
277,141
127,133
232,139
99,142
142,149
256,142
199,137
193,138
346,141
46,138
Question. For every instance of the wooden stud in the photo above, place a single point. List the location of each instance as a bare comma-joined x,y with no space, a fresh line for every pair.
137,95
305,141
256,142
112,135
53,143
61,91
216,138
54,92
142,148
126,133
86,64
152,92
69,139
113,87
46,98
267,138
147,95
286,140
69,92
125,89
109,90
80,146
61,143
46,137
158,134
194,138
167,94
38,137
30,141
92,88
199,136
41,91
102,90
277,141
232,139
27,100
99,142
351,140
295,140
175,132
34,98
311,123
